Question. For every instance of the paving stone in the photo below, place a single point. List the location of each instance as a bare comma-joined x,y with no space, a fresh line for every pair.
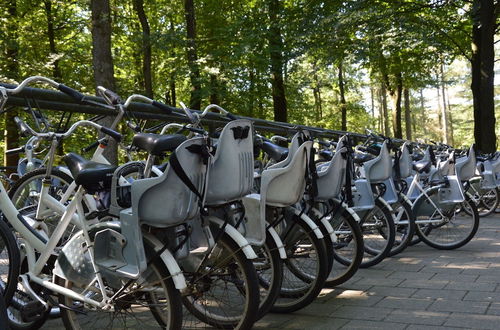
477,307
272,320
374,273
404,303
387,291
424,284
439,294
482,296
377,281
473,321
316,309
353,299
417,317
454,277
494,309
470,286
488,279
430,327
362,313
397,266
309,322
412,275
440,270
359,324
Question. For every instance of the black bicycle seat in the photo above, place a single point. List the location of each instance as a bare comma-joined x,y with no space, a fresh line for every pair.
156,144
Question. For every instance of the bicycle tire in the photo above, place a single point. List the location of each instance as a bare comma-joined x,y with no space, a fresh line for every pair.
425,228
404,225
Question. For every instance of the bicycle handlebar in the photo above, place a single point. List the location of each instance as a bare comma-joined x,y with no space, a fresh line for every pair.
109,96
115,135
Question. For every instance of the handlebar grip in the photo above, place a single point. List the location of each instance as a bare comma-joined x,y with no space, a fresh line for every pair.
133,127
114,134
14,151
91,146
112,96
71,92
23,128
196,130
231,116
162,107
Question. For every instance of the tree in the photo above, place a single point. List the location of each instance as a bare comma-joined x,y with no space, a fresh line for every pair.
146,47
102,60
192,55
484,16
276,60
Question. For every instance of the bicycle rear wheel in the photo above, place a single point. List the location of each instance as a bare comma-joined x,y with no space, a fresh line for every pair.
224,291
404,221
305,269
445,227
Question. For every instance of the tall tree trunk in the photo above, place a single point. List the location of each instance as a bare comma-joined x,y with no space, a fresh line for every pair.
276,59
484,14
214,89
56,72
170,95
372,99
192,55
12,67
146,47
396,103
450,119
102,60
385,112
251,92
406,94
343,106
444,117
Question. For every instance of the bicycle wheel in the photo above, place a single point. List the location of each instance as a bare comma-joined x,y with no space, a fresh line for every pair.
269,267
26,191
487,200
152,302
404,221
347,247
9,261
224,291
378,231
444,227
305,269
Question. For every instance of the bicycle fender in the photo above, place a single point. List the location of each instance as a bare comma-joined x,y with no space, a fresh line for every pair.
169,261
387,205
236,237
309,222
278,241
326,223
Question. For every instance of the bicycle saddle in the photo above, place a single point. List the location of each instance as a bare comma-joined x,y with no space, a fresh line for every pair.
91,175
156,144
422,166
360,158
274,151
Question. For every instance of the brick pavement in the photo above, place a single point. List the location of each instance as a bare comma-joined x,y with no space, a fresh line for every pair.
422,289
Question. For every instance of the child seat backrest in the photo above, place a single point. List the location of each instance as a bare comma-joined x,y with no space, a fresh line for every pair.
230,176
331,177
405,161
166,200
294,146
380,168
466,166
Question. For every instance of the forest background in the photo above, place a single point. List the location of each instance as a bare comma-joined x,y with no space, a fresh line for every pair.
406,68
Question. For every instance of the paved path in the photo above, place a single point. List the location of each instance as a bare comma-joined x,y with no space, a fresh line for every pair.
423,288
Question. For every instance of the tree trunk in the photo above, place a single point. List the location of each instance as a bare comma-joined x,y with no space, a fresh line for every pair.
102,61
484,14
214,89
146,47
372,99
251,92
343,106
192,55
12,67
396,103
56,72
406,94
276,59
444,117
385,114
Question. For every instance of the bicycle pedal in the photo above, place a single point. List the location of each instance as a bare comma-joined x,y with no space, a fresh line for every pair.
31,311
